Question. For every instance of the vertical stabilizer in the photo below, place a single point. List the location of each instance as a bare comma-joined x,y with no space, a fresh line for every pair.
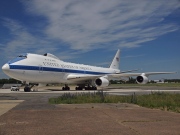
116,60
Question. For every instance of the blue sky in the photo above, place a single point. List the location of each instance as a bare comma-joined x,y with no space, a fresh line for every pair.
90,32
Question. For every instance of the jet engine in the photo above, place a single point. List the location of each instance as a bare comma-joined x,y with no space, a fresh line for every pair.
102,82
142,79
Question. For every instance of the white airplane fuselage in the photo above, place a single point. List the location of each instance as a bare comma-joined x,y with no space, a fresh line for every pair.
35,68
47,68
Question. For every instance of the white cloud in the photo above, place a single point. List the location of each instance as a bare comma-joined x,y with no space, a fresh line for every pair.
79,26
133,56
89,24
22,41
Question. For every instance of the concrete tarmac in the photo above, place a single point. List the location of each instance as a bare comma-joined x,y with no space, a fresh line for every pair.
30,113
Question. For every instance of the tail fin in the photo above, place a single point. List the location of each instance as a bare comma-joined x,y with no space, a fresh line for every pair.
116,60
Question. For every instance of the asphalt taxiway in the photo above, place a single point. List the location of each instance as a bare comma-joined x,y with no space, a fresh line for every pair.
111,90
30,113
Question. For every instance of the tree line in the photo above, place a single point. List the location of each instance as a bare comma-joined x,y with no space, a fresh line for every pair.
129,81
133,81
9,81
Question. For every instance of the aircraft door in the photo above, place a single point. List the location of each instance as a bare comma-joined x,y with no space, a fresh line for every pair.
63,70
40,68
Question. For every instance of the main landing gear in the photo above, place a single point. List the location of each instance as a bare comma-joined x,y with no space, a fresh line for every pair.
66,87
80,87
88,87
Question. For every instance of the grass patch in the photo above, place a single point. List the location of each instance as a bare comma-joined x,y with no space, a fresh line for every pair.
163,101
80,98
95,97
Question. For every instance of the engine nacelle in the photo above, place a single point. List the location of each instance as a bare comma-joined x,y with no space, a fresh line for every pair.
102,82
142,79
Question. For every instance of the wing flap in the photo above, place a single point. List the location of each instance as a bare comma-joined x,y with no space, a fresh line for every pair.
81,77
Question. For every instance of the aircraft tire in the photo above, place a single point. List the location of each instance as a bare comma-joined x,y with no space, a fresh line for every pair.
65,88
27,89
78,88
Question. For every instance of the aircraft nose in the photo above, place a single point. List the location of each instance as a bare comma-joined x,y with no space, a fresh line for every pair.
5,67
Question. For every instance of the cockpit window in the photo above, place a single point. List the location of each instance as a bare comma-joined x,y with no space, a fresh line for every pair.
18,58
23,56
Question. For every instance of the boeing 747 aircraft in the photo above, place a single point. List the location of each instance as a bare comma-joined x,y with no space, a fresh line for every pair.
48,69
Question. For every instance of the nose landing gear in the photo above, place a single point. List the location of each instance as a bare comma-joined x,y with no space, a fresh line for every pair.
27,88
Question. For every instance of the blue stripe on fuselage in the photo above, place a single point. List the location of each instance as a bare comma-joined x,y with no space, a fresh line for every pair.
37,68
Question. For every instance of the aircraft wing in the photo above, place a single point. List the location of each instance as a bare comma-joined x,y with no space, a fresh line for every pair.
86,77
137,74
